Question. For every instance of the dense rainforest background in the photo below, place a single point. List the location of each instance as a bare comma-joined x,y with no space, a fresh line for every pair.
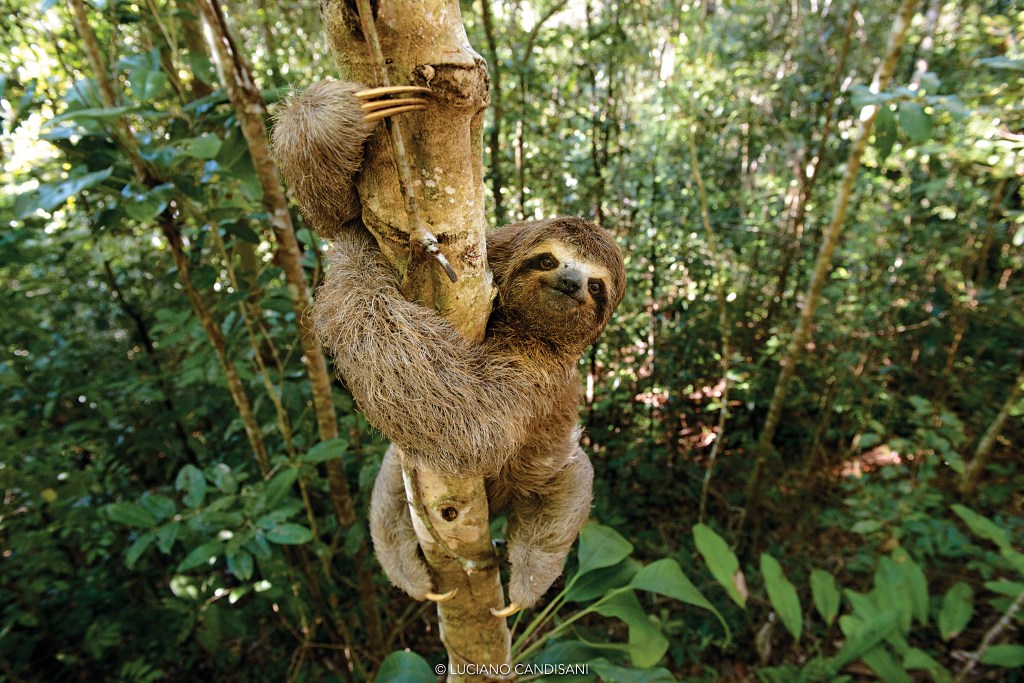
806,418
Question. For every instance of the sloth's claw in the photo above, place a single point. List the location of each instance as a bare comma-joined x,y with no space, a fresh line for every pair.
373,117
378,105
442,597
391,90
507,612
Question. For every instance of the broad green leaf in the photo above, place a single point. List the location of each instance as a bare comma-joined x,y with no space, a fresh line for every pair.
50,196
916,584
151,85
201,555
1003,63
862,635
914,121
1010,589
919,659
891,590
135,550
192,483
93,114
983,526
886,666
289,534
279,486
957,608
720,560
1007,656
161,507
204,146
147,204
825,595
240,564
612,673
596,583
666,577
782,595
131,514
326,450
166,535
885,138
406,667
647,645
224,479
601,546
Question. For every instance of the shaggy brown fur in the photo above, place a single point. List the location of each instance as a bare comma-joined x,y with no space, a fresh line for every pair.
505,410
319,149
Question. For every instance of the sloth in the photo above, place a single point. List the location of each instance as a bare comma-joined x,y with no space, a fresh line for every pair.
505,409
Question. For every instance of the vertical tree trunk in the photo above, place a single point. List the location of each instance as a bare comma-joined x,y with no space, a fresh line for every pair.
823,265
425,44
248,104
972,474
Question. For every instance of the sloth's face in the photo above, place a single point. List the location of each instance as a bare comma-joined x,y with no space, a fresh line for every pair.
559,295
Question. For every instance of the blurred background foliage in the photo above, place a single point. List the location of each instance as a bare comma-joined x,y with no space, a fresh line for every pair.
144,536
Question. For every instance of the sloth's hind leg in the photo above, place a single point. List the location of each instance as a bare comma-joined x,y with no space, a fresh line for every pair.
542,529
394,539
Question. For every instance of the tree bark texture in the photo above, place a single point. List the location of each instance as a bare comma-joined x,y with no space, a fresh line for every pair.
425,44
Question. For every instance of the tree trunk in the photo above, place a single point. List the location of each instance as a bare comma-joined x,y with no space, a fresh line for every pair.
425,45
972,474
248,104
823,265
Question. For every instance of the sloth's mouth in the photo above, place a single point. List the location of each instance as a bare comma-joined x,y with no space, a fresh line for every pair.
561,295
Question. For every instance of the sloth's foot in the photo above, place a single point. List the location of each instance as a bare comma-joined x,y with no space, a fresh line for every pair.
378,104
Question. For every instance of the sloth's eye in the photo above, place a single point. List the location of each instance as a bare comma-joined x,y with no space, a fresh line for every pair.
548,263
595,287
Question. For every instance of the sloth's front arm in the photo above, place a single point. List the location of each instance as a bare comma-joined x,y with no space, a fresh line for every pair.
456,406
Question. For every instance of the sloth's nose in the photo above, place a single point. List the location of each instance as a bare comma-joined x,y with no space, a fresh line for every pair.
569,283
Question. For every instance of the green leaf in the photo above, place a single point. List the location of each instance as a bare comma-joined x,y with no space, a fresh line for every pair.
593,584
782,595
93,114
135,550
326,450
918,659
914,121
862,635
825,594
289,534
647,645
983,526
957,608
885,138
201,555
891,590
916,584
161,507
131,514
666,577
1003,63
886,666
151,85
192,482
205,146
1008,656
600,547
148,204
720,560
612,673
279,486
405,667
241,565
50,196
166,535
